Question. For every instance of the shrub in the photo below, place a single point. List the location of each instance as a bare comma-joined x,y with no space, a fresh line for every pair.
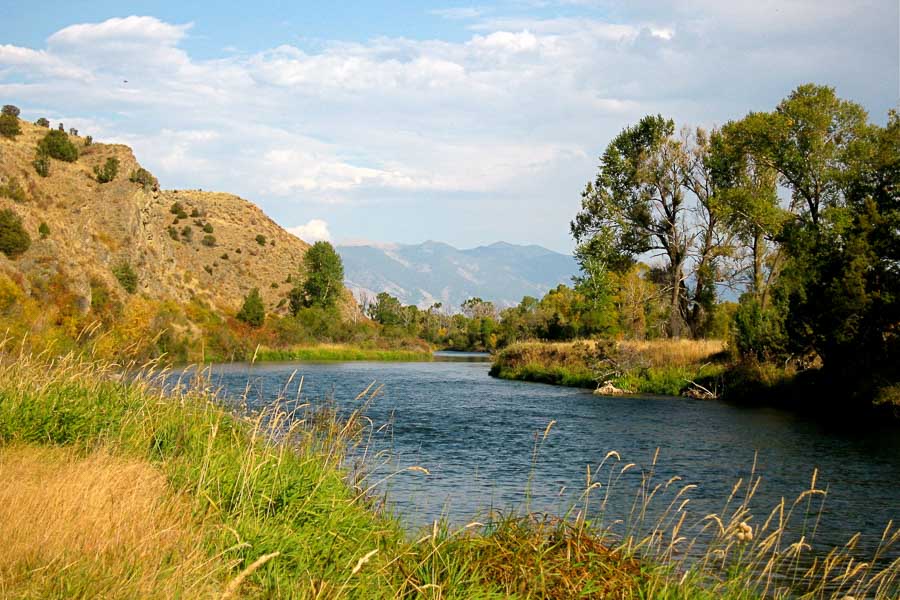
173,233
261,240
208,269
187,234
44,230
73,132
208,240
41,164
224,256
61,128
207,228
42,122
12,190
9,126
144,177
176,208
252,312
56,144
14,240
109,171
195,213
126,276
88,140
9,109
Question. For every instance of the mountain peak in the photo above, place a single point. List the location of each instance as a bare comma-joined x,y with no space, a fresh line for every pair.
433,271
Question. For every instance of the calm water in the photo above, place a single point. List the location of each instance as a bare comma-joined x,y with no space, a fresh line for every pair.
476,436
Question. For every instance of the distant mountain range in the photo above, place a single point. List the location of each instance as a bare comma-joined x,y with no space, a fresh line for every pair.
423,274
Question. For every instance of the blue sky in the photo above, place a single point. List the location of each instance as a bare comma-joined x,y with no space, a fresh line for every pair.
403,121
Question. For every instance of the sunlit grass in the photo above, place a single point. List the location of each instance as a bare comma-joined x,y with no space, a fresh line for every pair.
668,367
340,352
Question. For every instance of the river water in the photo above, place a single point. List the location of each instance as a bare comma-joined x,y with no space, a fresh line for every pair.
477,435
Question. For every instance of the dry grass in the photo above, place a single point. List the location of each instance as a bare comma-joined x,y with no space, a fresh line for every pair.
673,353
111,522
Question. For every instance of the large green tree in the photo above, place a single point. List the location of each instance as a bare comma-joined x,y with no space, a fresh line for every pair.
654,195
323,276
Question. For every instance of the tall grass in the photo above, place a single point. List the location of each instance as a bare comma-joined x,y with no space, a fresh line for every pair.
340,352
183,498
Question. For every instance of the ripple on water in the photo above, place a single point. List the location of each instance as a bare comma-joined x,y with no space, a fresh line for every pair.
476,436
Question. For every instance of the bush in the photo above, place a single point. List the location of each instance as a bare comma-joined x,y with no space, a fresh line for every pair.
145,178
176,208
253,312
759,333
42,122
73,132
195,213
14,240
108,172
173,233
88,140
224,256
207,228
261,240
208,240
41,164
9,126
12,190
126,276
56,144
9,109
187,234
44,230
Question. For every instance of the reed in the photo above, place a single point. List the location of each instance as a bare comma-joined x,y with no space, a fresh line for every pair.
156,486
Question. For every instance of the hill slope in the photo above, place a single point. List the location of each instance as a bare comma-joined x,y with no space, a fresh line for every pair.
431,272
94,227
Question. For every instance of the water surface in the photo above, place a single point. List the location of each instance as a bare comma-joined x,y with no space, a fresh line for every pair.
476,436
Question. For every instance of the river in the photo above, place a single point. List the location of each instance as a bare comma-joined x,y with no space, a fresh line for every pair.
476,437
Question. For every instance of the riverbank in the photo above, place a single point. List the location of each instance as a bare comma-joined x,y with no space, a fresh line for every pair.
342,352
123,491
663,367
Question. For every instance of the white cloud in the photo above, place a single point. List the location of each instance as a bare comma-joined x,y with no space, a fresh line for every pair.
316,230
459,13
512,116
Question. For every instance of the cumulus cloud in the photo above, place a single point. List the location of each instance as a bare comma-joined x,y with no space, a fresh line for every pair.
316,230
509,119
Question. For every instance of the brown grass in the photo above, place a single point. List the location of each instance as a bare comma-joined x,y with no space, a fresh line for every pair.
651,353
109,522
673,353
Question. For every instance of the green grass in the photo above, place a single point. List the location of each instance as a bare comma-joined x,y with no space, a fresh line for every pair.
665,368
342,353
283,519
554,375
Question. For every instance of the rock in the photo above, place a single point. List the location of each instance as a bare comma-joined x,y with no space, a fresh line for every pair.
608,389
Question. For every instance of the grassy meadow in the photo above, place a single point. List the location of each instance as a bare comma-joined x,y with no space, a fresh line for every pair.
667,367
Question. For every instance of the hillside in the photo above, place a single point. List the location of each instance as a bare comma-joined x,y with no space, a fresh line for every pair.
96,227
431,272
